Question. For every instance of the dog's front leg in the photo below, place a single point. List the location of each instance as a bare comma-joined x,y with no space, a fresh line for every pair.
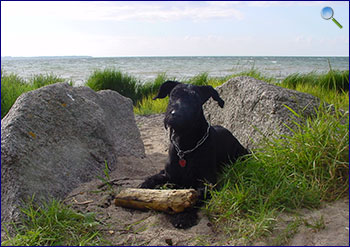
203,187
203,194
152,181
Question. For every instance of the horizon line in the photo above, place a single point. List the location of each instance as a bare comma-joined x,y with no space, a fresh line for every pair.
87,56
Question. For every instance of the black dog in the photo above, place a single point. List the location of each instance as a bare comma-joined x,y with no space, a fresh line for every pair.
197,150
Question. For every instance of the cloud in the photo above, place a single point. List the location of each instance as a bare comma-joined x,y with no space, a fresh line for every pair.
91,28
294,3
122,11
301,39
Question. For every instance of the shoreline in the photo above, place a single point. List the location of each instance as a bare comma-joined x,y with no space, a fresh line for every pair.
145,69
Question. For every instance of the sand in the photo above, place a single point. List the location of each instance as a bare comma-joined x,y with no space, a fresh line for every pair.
134,227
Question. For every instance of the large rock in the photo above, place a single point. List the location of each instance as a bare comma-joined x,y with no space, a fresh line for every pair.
254,109
57,137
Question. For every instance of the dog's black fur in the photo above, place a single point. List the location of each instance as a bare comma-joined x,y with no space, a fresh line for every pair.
185,118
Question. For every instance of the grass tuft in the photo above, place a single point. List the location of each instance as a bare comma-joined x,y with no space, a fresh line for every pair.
12,86
115,80
338,99
257,75
199,80
148,106
38,81
151,88
54,224
333,80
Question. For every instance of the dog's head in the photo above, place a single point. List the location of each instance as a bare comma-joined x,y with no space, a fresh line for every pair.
184,110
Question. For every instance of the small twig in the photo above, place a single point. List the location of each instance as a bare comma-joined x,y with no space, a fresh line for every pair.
79,193
82,203
114,182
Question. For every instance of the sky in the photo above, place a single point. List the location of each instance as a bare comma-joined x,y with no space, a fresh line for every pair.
173,28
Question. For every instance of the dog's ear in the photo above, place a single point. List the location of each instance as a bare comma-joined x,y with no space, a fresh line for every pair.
166,88
208,91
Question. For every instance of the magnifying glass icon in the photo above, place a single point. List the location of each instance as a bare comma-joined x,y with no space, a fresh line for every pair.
327,13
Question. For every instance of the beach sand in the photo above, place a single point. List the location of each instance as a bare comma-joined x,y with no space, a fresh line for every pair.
134,227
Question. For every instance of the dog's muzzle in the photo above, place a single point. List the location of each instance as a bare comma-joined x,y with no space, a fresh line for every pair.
171,120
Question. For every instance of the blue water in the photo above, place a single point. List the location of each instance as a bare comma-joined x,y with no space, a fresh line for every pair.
78,69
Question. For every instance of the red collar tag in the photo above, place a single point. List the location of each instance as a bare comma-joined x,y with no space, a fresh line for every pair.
182,162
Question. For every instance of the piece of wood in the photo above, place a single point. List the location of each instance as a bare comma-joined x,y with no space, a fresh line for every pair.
170,201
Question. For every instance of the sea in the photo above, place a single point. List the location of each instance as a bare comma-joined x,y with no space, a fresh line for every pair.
78,68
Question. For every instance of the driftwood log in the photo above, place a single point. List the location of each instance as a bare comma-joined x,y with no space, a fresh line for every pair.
170,201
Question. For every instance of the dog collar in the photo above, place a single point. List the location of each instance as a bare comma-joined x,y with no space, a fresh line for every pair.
181,154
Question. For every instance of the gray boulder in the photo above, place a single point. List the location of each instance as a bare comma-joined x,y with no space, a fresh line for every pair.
254,109
57,137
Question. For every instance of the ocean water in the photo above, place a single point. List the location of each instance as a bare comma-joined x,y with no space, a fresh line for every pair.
78,69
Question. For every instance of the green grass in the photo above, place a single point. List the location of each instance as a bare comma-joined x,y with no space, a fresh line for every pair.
115,80
55,224
12,86
148,106
141,92
329,87
286,173
338,99
257,75
150,88
333,80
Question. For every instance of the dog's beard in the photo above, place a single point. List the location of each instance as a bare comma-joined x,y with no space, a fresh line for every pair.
169,123
181,121
172,123
178,125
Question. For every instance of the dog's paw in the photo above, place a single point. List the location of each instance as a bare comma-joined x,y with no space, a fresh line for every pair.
148,184
152,181
184,220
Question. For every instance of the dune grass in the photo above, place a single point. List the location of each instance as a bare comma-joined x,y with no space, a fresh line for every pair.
335,97
54,224
148,106
301,82
141,92
284,174
333,80
150,88
115,80
12,86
